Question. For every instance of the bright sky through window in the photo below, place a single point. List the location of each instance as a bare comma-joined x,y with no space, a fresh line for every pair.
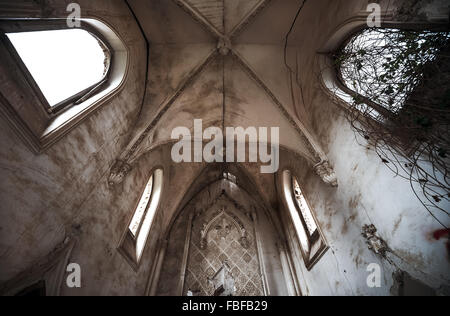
304,208
386,65
151,197
295,215
62,62
142,207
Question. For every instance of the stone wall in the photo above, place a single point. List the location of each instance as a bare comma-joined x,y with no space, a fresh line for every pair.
49,196
222,216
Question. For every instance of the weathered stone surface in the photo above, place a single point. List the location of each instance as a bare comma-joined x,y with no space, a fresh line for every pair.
71,189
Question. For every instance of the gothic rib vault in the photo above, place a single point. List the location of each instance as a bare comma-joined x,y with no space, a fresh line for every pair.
221,63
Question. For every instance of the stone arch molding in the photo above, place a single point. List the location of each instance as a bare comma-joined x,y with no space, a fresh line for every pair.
141,140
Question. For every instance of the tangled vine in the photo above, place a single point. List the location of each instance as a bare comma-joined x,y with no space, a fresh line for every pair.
399,81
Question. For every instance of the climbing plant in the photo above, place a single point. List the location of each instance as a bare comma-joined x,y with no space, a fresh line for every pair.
399,81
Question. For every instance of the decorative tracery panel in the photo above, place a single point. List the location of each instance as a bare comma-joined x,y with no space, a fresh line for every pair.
223,257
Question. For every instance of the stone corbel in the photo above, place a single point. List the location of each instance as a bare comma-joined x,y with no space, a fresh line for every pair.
374,242
326,172
118,173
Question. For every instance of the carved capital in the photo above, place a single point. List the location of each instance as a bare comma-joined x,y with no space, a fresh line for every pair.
118,173
326,172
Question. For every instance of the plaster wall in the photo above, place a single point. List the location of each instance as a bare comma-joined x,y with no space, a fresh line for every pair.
44,196
368,192
64,191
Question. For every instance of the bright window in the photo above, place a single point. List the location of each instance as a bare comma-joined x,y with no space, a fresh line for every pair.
304,208
63,63
144,214
310,238
386,65
142,207
230,177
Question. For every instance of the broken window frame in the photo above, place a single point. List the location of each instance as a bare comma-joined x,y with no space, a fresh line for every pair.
26,26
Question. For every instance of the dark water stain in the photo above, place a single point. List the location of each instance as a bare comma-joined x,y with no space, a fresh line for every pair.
354,201
397,224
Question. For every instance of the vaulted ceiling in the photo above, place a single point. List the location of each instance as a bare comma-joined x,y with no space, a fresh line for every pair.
222,61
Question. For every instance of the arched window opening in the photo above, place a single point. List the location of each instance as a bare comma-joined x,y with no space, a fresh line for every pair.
136,222
311,240
54,77
230,177
381,68
135,239
304,208
67,65
398,83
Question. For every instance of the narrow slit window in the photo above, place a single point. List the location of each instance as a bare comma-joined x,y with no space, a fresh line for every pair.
142,207
310,238
134,241
150,214
304,208
65,64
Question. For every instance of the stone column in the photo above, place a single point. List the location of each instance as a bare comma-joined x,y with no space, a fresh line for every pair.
260,255
187,243
153,282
